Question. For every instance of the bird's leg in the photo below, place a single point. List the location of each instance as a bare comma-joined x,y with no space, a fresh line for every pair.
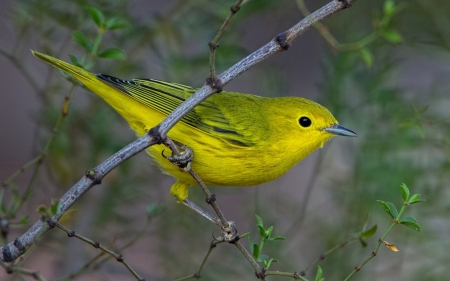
183,158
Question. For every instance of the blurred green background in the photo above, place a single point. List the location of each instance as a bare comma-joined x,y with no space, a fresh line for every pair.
391,87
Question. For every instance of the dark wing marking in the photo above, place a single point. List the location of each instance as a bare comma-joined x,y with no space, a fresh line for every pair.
165,97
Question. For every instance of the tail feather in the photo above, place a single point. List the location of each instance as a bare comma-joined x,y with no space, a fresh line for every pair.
82,75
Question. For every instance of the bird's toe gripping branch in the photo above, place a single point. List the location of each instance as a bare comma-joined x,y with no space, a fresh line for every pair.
183,158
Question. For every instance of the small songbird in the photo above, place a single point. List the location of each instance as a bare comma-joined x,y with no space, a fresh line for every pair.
237,139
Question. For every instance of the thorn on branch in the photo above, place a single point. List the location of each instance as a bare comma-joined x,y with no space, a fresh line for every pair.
282,41
96,244
357,268
71,233
94,176
120,258
215,83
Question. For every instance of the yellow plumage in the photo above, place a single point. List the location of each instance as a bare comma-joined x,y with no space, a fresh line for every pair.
237,139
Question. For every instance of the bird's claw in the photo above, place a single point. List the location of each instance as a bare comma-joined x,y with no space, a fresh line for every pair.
183,159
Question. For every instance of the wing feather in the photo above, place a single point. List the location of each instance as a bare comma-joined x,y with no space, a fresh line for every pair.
208,116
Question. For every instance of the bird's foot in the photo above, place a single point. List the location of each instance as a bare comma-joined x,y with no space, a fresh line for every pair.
183,159
229,233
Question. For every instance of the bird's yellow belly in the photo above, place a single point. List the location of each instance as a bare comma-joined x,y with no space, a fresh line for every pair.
218,162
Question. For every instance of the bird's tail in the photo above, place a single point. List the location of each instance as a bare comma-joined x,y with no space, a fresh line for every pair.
80,74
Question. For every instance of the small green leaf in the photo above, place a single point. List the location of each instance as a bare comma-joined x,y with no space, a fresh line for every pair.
366,221
415,199
268,263
319,274
96,15
366,57
389,7
363,243
392,36
256,251
411,223
389,208
82,40
262,232
23,220
369,233
393,209
259,220
112,53
277,238
115,23
244,235
405,192
269,232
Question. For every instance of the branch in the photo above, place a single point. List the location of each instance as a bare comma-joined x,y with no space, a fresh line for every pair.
157,135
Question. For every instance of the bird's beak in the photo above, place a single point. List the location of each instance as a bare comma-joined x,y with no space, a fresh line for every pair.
337,129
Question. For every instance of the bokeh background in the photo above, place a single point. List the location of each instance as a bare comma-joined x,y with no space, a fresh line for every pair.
391,85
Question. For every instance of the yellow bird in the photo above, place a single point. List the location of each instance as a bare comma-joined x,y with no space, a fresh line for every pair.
237,139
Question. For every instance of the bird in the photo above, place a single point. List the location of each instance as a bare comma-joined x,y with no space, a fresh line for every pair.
237,139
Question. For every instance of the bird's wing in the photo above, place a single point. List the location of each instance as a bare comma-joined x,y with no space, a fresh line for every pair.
209,116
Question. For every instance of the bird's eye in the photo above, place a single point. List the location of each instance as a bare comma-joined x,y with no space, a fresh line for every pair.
304,122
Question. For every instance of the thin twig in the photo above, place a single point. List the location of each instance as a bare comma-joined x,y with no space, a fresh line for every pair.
213,45
97,245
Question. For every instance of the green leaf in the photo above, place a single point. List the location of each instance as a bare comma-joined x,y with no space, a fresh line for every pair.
268,263
363,243
392,36
96,15
112,53
389,208
277,238
405,192
244,235
269,232
369,233
259,220
366,57
256,251
262,232
411,223
250,244
389,7
393,209
319,274
415,199
23,220
82,40
115,23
